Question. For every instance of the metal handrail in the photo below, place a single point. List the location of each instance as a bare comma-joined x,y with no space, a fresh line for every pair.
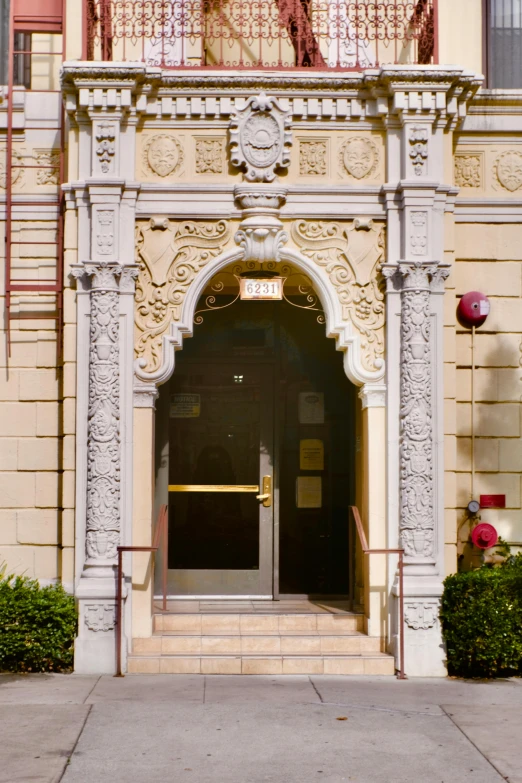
367,551
161,532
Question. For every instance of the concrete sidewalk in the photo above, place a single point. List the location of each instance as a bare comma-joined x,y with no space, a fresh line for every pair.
265,729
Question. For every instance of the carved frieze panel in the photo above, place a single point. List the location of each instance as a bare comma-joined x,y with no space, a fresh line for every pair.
469,170
313,157
351,254
359,157
169,255
49,162
508,170
162,155
17,172
209,155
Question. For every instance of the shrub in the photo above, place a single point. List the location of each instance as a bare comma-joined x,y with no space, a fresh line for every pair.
481,616
37,626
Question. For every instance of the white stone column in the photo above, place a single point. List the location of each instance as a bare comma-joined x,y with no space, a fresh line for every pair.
106,199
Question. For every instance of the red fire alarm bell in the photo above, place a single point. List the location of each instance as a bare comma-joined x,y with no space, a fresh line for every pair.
473,309
484,535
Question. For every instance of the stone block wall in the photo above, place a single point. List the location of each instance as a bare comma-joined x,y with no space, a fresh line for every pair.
488,258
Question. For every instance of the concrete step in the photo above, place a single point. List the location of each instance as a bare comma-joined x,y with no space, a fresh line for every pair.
257,644
374,664
254,623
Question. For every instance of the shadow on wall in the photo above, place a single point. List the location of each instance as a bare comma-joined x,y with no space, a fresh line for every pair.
496,423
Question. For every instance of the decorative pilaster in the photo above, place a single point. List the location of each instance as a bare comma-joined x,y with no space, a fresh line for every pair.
417,519
105,282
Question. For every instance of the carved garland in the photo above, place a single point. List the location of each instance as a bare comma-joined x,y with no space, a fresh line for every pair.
351,254
169,256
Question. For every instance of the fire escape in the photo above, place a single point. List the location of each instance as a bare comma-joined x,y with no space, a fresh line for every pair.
34,266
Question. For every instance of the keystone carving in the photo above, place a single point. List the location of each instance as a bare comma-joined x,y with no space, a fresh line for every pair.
350,255
260,138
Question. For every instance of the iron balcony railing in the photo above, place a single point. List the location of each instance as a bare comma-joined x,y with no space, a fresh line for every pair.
240,34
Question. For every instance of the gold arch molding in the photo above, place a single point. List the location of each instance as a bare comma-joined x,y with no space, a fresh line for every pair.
178,259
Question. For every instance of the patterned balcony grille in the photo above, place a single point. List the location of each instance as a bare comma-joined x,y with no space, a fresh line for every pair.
265,34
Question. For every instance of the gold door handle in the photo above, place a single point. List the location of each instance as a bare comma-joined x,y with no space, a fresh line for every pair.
266,496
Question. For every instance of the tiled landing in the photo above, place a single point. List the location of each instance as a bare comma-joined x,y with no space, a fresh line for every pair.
254,637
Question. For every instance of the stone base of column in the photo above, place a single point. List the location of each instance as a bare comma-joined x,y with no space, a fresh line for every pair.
424,649
95,645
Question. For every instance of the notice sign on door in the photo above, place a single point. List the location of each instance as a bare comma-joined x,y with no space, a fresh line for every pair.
311,454
185,406
311,408
309,492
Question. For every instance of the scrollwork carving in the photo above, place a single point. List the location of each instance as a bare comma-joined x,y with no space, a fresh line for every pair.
100,617
421,616
169,256
350,255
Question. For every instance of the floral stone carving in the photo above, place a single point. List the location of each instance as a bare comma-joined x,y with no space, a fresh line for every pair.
468,171
162,155
209,156
508,168
260,138
351,254
106,147
417,522
103,518
313,157
418,148
359,157
169,256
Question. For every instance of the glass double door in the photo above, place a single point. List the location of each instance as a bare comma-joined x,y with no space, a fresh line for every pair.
221,479
255,454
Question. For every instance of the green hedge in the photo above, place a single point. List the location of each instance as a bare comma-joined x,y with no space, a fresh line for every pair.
37,626
481,616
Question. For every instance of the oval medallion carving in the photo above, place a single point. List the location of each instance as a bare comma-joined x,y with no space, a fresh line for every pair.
162,154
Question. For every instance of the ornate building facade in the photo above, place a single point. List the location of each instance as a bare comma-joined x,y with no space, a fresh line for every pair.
371,197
